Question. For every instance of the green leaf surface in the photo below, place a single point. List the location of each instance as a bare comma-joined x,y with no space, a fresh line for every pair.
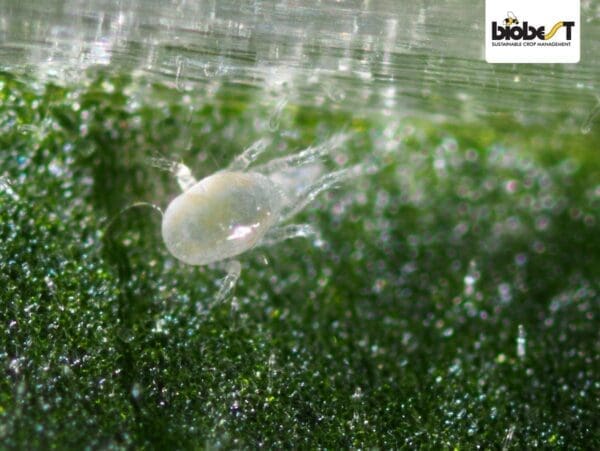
454,304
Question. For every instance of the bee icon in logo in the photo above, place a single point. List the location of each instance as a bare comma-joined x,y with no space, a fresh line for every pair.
511,19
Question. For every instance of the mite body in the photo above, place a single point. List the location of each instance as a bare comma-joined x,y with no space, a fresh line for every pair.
221,216
236,209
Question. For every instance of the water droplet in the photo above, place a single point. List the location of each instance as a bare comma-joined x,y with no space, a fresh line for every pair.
504,292
5,187
448,332
471,278
136,391
521,342
357,394
159,326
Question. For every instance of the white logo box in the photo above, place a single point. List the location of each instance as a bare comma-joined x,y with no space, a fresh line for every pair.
513,14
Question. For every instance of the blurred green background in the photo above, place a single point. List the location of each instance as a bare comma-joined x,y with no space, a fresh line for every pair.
454,304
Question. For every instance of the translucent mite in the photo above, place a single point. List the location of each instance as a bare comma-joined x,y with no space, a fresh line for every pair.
235,209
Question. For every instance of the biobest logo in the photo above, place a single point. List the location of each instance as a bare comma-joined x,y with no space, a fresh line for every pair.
524,37
512,31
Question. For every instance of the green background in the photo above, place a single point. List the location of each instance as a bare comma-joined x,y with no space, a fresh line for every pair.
403,330
453,305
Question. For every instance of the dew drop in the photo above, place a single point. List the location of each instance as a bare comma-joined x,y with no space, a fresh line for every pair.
521,342
136,390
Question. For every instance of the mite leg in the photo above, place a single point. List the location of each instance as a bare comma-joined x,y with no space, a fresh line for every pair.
310,193
234,269
182,173
248,156
309,155
287,232
105,232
